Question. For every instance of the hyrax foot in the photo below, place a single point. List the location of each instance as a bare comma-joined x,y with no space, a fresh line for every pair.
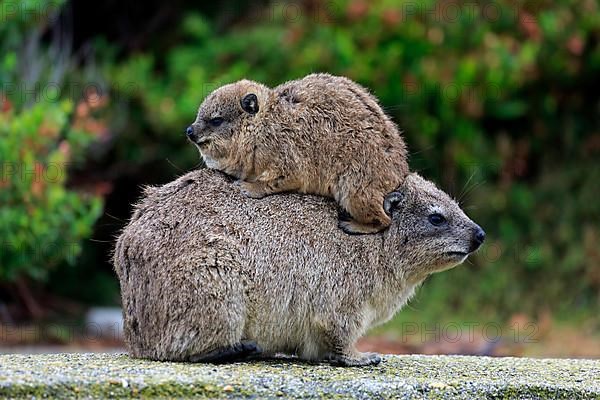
352,227
252,190
236,352
355,360
362,218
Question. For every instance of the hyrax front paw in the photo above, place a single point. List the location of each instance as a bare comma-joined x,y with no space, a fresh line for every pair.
252,190
353,360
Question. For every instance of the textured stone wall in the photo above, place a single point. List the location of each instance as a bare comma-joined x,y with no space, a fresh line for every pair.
117,375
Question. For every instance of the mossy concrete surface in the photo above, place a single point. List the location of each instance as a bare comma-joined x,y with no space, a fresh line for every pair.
117,375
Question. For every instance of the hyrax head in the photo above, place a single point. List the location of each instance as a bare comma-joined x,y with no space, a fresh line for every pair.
428,228
225,113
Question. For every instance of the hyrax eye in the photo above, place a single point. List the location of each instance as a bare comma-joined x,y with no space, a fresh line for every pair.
436,219
215,121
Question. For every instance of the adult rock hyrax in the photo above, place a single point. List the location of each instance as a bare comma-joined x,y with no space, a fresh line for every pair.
208,274
322,135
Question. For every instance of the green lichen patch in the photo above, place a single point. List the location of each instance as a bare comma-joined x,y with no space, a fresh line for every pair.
435,377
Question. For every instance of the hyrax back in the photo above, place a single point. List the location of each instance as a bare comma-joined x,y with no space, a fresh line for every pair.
322,135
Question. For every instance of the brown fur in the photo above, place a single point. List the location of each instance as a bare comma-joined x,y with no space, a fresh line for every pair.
203,268
322,135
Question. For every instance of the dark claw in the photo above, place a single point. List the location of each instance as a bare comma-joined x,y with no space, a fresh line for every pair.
344,215
238,351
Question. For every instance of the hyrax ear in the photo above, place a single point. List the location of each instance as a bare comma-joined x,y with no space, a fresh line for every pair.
250,103
392,201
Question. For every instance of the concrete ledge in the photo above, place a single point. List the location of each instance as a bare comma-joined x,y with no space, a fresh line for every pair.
117,375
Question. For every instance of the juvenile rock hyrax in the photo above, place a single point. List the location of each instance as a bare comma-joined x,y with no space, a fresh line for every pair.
207,274
322,134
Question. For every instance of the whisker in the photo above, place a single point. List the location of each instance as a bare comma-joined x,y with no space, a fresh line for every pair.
180,169
465,186
113,217
100,241
394,107
467,192
412,153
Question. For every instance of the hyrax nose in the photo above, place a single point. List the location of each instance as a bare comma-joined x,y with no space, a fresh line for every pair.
478,238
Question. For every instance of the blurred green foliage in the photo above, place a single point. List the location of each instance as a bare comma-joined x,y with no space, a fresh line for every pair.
498,105
42,221
497,101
